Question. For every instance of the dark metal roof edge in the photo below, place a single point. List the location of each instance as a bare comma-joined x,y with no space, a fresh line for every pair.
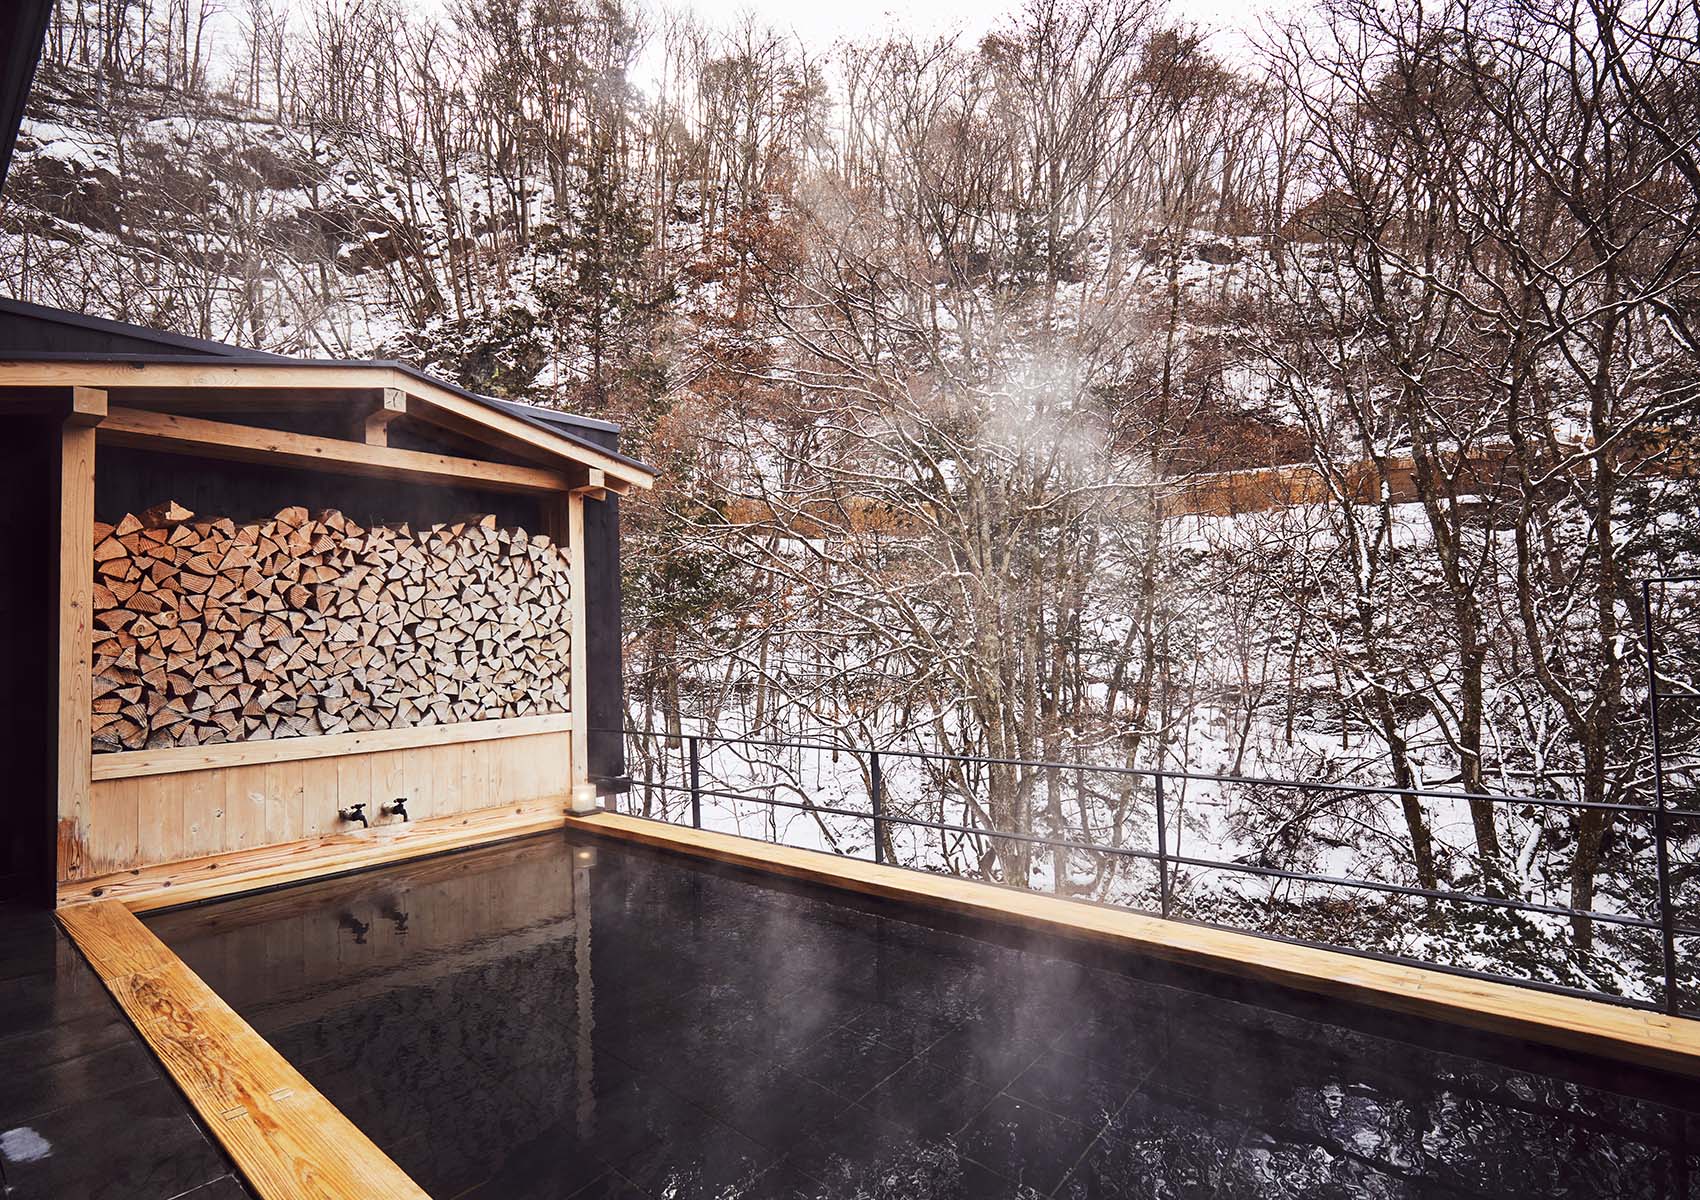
178,341
520,408
254,358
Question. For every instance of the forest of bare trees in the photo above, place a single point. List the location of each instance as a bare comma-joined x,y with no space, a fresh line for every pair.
937,341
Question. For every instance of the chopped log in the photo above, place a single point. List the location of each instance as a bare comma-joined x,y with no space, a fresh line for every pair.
164,516
206,630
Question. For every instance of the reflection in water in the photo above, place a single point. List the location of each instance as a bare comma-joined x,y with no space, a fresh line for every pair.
584,859
738,1041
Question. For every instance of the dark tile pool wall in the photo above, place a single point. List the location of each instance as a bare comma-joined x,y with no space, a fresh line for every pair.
550,1019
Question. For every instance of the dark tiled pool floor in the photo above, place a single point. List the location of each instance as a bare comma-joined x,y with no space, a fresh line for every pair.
555,1020
84,1109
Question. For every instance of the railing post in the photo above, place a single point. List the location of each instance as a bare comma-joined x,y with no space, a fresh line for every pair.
696,787
876,793
1661,818
1162,848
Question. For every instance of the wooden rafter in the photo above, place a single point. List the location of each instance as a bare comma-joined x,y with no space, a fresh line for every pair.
244,443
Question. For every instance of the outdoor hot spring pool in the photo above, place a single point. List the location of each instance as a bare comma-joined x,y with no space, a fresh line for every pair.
565,1018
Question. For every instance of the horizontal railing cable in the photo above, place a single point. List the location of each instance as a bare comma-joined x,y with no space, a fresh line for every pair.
1400,889
1401,960
689,749
1154,773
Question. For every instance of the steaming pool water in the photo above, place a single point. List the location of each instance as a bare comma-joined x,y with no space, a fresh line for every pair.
561,1018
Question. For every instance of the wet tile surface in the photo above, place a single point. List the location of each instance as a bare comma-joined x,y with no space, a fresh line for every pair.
84,1109
552,1020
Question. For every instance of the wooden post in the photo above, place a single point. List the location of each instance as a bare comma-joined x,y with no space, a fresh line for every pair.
375,429
74,756
584,793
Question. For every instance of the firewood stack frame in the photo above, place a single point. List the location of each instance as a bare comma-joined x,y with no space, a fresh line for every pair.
260,613
210,631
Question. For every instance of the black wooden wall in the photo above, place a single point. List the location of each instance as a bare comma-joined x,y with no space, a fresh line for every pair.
29,583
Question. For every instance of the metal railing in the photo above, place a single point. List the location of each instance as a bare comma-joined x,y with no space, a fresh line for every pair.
1660,816
1657,698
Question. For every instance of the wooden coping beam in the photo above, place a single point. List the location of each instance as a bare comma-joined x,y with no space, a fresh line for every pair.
1592,1027
289,1142
216,876
175,434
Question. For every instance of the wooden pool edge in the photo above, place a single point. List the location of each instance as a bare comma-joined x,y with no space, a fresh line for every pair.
1646,1039
220,876
286,1139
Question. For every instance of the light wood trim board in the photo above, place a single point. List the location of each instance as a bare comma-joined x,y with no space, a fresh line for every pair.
289,1142
218,875
1588,1026
130,764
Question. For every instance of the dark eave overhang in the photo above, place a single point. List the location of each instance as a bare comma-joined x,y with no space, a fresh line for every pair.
23,24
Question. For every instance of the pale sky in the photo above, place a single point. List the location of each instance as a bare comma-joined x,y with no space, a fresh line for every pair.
819,23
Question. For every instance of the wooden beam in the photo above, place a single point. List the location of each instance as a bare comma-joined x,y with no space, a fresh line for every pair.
595,486
289,1142
242,443
375,429
88,406
75,700
584,795
435,402
132,764
203,373
457,413
1587,1026
212,877
72,405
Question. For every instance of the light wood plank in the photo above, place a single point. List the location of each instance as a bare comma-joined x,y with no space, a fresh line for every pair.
276,750
434,401
354,785
289,1142
161,812
114,825
237,871
245,807
76,615
448,777
320,792
176,434
203,814
285,784
1589,1026
390,778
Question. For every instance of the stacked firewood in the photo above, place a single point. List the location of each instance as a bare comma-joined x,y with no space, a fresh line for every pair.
210,631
